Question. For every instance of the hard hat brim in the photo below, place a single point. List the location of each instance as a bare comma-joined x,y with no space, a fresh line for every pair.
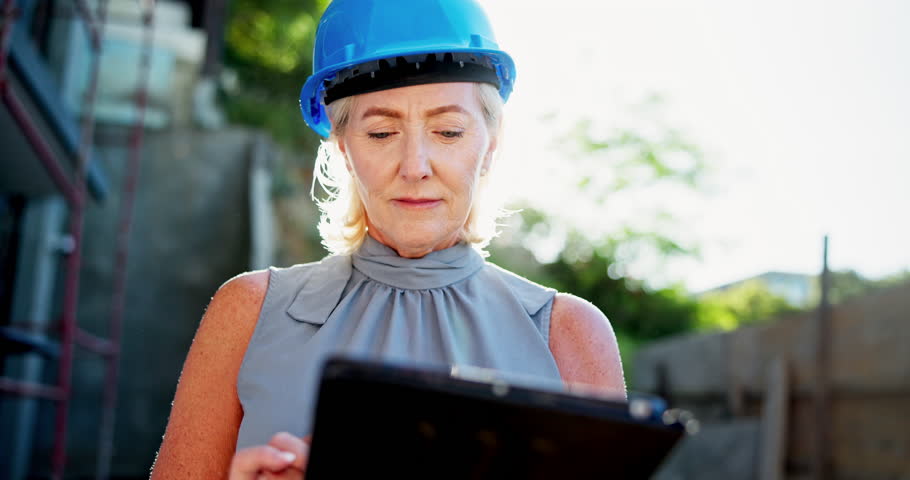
313,109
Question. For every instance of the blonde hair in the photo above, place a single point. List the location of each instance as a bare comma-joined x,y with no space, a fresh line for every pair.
343,223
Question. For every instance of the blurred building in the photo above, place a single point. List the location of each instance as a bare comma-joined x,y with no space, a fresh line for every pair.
150,96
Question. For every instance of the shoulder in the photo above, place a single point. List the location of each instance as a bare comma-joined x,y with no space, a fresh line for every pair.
584,345
232,313
531,295
229,322
245,287
571,312
241,294
576,325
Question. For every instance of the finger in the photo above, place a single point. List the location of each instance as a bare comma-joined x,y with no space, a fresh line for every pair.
294,444
287,474
249,461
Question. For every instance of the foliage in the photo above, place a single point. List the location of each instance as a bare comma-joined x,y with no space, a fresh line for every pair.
637,311
892,280
620,175
280,117
846,284
590,272
636,157
743,304
605,163
628,347
269,44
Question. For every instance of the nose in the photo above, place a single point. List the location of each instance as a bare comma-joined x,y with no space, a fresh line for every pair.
415,165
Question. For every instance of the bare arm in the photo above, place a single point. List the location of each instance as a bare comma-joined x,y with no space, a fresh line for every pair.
202,429
584,346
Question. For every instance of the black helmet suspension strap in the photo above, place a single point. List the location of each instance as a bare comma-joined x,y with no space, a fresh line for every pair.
410,70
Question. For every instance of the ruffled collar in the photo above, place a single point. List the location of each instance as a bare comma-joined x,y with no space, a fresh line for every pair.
434,270
321,291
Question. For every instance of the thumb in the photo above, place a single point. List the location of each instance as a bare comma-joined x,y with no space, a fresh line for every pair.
250,461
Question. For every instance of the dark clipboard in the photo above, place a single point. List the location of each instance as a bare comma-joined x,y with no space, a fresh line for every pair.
380,420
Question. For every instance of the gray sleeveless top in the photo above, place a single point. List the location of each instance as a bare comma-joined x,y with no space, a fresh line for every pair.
448,308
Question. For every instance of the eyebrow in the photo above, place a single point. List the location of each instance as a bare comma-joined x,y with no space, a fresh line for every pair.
387,112
381,112
445,109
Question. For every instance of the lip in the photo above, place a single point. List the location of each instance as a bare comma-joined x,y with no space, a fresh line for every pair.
416,203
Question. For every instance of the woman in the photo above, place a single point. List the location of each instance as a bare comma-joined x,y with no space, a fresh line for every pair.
410,95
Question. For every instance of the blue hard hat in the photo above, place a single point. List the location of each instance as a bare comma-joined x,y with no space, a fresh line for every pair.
360,33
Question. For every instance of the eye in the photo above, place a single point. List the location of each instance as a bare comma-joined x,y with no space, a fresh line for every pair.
451,134
380,135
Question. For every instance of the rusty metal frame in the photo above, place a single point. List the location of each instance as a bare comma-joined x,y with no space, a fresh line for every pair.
74,191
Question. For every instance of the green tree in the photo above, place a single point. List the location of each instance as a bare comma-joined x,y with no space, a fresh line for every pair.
846,284
639,312
269,44
606,163
747,303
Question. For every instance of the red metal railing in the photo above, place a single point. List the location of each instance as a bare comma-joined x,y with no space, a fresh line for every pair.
74,191
6,33
128,197
30,389
42,150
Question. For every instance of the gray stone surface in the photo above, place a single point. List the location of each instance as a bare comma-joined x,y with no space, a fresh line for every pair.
190,234
693,364
719,451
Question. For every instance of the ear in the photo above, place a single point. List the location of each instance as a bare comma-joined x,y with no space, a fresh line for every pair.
488,157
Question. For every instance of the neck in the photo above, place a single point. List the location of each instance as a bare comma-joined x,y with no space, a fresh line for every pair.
410,251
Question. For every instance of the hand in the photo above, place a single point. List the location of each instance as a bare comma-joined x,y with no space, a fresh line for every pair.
285,457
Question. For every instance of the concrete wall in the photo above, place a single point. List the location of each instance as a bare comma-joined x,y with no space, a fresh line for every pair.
191,233
722,378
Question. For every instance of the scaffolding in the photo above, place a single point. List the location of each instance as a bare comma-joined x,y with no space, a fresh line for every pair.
74,192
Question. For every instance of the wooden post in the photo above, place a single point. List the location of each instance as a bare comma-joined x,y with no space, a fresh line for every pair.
775,413
821,467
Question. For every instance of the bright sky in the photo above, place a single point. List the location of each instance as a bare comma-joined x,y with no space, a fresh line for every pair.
803,110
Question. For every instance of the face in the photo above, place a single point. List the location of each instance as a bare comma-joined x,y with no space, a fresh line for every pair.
416,155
